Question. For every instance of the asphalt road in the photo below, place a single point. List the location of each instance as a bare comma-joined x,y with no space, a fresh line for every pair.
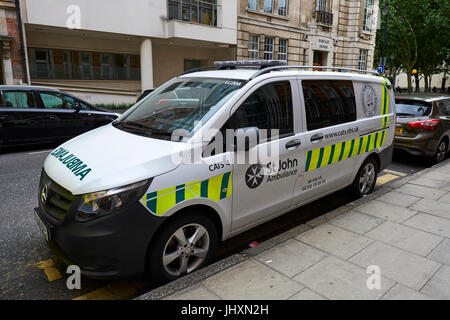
30,271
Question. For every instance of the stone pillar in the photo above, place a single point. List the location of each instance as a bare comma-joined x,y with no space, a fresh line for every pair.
146,64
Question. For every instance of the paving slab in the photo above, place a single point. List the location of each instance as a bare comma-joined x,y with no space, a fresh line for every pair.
357,222
439,286
433,207
291,257
445,198
251,280
412,240
196,292
334,278
334,240
386,211
399,199
441,253
401,292
439,174
421,191
407,268
307,294
430,223
427,182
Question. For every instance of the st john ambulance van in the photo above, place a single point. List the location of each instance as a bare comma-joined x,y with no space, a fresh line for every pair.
154,192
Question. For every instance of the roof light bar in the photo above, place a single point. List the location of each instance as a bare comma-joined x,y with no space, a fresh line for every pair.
250,63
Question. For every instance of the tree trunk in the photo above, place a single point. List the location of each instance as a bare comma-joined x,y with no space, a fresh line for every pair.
409,77
416,77
425,78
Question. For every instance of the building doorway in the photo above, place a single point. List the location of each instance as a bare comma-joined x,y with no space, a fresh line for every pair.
320,59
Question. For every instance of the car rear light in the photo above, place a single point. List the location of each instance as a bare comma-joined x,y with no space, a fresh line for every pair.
426,124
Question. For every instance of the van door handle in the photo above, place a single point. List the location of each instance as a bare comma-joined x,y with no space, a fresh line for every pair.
317,137
3,116
52,117
293,144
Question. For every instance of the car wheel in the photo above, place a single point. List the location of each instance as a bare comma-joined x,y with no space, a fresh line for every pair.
184,246
366,178
441,152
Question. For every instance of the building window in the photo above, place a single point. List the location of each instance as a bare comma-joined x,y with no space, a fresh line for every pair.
282,49
282,7
203,12
253,4
268,6
362,62
321,5
367,16
268,48
253,47
78,65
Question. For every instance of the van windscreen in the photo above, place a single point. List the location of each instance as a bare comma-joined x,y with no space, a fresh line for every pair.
179,104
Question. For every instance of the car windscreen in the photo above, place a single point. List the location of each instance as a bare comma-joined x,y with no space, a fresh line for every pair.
179,104
412,109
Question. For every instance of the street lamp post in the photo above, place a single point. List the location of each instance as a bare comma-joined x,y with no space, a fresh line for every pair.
385,12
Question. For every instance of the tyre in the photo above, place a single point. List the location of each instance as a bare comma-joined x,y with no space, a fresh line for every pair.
366,178
441,151
185,245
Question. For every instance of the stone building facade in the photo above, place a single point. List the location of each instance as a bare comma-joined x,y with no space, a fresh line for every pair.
338,33
11,60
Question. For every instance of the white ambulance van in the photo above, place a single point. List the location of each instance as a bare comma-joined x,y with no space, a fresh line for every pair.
156,190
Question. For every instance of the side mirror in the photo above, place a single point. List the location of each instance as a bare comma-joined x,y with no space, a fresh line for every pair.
246,138
77,107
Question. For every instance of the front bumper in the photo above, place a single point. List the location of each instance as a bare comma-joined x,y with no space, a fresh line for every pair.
112,246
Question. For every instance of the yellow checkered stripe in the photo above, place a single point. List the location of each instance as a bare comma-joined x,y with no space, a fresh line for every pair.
385,104
88,199
325,156
215,188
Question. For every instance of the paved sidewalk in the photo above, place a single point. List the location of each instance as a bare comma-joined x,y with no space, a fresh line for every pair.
403,228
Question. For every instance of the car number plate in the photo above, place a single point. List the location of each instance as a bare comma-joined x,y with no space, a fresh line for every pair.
399,130
42,226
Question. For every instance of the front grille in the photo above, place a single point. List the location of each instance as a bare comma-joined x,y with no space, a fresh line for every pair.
58,200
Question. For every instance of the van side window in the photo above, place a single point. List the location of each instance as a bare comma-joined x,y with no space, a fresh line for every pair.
328,103
269,107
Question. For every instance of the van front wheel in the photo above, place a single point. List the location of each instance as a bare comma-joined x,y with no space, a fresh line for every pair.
182,247
366,178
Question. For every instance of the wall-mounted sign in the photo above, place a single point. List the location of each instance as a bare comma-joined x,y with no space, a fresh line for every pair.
323,44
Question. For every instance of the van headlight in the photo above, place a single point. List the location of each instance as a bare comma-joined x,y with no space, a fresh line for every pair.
99,203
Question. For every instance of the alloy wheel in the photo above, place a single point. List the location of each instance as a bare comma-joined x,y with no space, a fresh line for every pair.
367,179
186,249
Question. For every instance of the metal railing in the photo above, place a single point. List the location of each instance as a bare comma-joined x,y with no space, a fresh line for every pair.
325,18
202,12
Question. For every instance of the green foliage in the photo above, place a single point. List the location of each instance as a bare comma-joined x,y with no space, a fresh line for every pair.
418,37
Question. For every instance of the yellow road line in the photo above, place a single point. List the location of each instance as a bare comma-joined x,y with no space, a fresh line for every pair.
50,271
385,179
114,291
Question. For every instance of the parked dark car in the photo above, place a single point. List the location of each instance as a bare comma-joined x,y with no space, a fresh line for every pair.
423,126
30,114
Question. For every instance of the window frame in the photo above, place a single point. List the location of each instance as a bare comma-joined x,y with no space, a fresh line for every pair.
257,46
367,15
322,5
365,59
256,4
286,8
285,53
269,52
58,95
272,2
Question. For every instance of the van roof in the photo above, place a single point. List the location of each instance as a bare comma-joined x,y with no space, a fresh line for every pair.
247,74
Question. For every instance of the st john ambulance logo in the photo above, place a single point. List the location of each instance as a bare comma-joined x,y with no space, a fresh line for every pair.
254,176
